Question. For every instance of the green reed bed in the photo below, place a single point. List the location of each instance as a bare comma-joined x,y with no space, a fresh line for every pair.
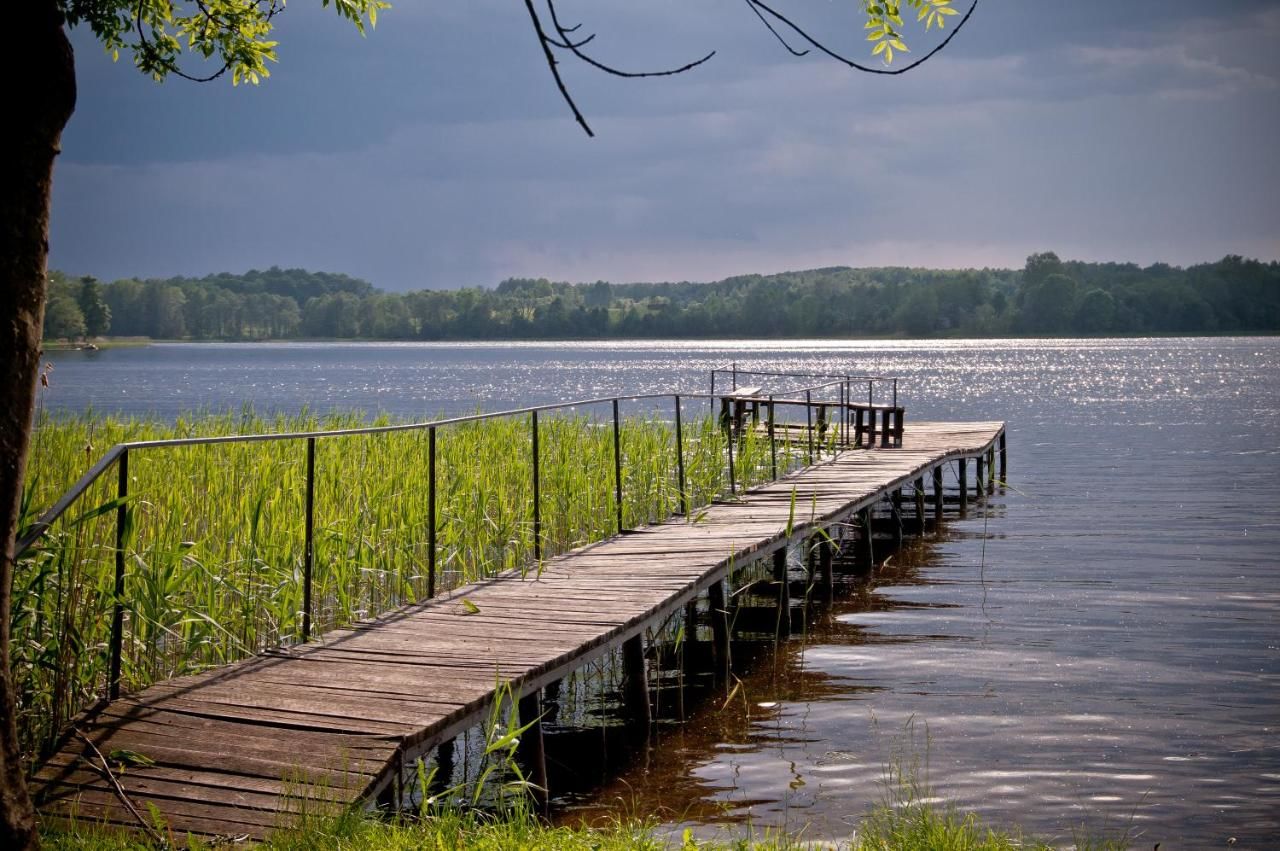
214,537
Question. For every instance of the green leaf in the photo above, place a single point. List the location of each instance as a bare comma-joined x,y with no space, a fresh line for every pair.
128,757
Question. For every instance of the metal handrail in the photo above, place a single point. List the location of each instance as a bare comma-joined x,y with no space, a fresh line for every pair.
871,381
46,519
808,374
118,456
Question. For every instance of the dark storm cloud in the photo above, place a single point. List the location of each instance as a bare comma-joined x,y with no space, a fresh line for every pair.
436,152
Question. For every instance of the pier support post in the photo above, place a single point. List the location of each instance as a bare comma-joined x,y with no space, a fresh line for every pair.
825,558
991,469
532,749
963,470
1004,460
550,702
635,681
896,504
689,648
980,479
937,494
866,550
689,652
444,767
719,627
920,506
784,591
389,799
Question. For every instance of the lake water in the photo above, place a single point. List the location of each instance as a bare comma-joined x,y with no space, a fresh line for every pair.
1099,644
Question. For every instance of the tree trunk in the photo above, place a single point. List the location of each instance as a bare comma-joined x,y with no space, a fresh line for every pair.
40,95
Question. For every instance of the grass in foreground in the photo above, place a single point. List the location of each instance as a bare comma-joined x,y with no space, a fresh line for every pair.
920,827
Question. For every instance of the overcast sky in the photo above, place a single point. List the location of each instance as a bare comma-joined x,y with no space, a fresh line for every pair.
437,153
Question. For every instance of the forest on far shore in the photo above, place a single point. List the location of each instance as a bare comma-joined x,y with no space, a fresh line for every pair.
1047,297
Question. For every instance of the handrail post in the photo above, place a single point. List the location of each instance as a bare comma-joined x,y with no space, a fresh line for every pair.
308,541
117,610
844,412
773,443
431,512
808,418
537,492
617,466
712,401
895,392
684,500
735,375
733,490
840,428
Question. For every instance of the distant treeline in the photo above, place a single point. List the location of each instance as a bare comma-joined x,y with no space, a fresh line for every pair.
1047,297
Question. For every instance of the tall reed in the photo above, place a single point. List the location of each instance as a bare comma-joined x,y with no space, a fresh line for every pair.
214,543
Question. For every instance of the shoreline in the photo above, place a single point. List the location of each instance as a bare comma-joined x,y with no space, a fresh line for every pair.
103,343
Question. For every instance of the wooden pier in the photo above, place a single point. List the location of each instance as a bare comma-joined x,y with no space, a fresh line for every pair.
335,722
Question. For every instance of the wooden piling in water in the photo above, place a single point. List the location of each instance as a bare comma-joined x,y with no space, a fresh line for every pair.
866,549
441,781
919,486
963,471
937,494
991,469
635,682
532,748
1004,459
896,504
550,701
719,627
979,476
825,559
690,632
389,798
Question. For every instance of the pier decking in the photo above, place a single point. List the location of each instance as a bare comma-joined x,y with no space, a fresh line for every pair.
334,722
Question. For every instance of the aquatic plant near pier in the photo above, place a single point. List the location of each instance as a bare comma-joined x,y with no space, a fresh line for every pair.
214,538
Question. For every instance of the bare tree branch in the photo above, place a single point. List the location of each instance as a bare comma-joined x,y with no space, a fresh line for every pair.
554,66
776,34
563,38
798,30
609,69
107,774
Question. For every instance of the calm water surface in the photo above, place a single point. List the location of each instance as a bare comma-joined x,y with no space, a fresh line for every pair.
1098,645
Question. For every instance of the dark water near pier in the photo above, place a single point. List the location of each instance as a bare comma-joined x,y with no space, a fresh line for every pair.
1100,646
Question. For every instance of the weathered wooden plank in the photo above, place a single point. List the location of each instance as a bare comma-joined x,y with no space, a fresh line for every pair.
183,816
226,789
270,750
